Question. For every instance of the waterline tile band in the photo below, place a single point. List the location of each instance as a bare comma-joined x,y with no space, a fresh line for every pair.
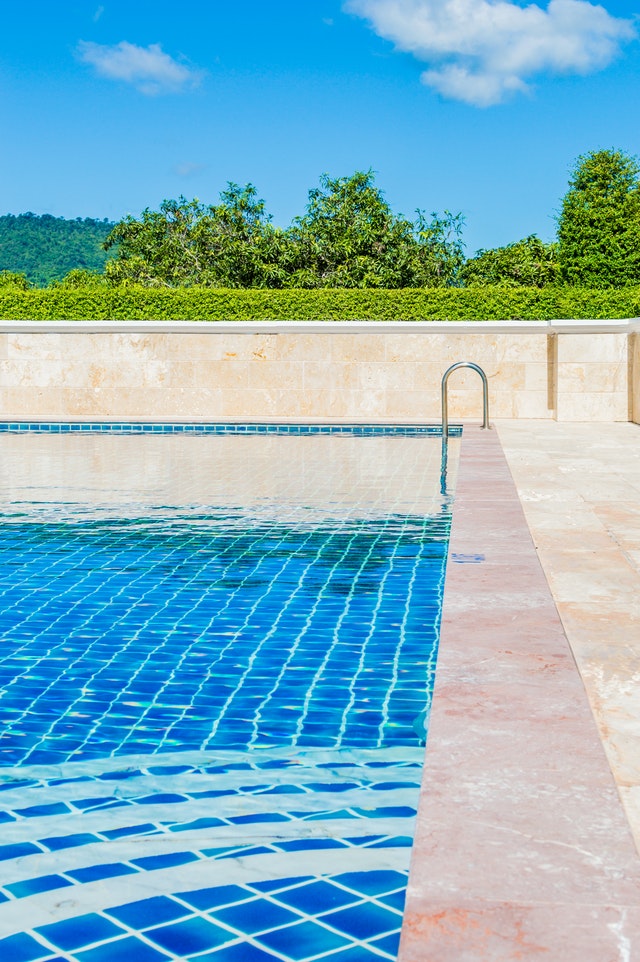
226,427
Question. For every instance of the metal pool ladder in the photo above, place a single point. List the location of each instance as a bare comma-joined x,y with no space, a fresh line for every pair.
445,405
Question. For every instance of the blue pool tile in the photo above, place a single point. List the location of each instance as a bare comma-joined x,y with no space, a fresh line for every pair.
199,823
186,938
44,883
60,842
257,916
152,863
363,921
245,852
93,873
38,811
147,912
22,948
147,828
395,900
124,950
359,953
169,770
241,952
318,897
388,811
303,844
282,790
388,943
258,817
397,841
394,786
210,898
322,816
78,932
299,942
373,883
275,885
85,804
332,787
161,799
19,850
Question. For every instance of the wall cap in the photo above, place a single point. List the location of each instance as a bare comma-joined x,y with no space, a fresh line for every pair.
627,325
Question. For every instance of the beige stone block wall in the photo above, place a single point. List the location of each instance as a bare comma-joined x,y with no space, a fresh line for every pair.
142,370
634,377
592,373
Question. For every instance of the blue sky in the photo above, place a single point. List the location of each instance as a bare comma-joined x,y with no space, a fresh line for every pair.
478,106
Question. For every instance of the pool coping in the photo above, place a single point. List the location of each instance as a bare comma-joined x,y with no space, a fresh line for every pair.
522,847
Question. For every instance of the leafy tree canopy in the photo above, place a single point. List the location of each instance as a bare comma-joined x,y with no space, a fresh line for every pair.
528,262
348,237
231,244
14,279
599,223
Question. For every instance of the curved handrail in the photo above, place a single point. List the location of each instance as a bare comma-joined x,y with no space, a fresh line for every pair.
445,404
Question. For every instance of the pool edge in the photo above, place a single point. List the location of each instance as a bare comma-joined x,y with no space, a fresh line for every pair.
522,847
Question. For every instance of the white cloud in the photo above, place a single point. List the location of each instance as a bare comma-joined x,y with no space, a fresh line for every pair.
481,51
149,69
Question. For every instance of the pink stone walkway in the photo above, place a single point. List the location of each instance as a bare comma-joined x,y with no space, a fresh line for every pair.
522,847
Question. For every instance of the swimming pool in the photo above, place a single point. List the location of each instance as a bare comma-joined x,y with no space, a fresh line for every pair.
217,658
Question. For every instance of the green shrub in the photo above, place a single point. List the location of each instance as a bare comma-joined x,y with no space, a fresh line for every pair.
527,263
206,304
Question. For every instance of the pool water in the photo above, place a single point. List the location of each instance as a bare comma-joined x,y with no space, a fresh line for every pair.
217,657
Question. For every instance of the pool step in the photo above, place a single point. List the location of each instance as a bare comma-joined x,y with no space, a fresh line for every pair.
88,844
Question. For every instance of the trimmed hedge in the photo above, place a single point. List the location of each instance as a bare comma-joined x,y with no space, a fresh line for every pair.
207,304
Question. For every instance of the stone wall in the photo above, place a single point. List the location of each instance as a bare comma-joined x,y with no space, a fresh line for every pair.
634,377
308,370
592,371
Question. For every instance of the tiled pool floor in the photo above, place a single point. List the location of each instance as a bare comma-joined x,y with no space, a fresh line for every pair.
213,699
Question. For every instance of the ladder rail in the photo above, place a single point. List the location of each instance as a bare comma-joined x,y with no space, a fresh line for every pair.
445,399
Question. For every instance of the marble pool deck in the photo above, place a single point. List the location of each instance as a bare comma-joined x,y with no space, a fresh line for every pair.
525,847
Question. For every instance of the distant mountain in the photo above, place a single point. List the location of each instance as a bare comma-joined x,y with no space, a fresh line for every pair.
45,248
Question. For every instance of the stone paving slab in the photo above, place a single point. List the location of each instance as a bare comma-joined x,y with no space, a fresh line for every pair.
593,568
522,847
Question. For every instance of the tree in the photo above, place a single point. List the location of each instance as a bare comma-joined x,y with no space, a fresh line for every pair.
14,279
599,223
349,237
232,244
79,277
440,249
526,263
